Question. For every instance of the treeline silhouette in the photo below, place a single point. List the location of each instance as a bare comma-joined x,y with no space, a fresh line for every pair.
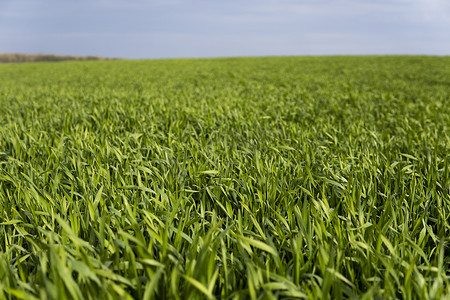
20,58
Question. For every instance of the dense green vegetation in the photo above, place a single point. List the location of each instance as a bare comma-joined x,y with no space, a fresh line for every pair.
20,58
259,178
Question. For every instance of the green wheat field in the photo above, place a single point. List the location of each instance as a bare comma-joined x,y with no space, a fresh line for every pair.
230,178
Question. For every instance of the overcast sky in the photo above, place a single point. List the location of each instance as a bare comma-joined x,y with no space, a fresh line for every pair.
201,28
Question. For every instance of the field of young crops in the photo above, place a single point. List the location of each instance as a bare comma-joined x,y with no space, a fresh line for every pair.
237,178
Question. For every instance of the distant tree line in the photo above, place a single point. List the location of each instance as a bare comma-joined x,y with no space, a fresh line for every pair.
19,58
